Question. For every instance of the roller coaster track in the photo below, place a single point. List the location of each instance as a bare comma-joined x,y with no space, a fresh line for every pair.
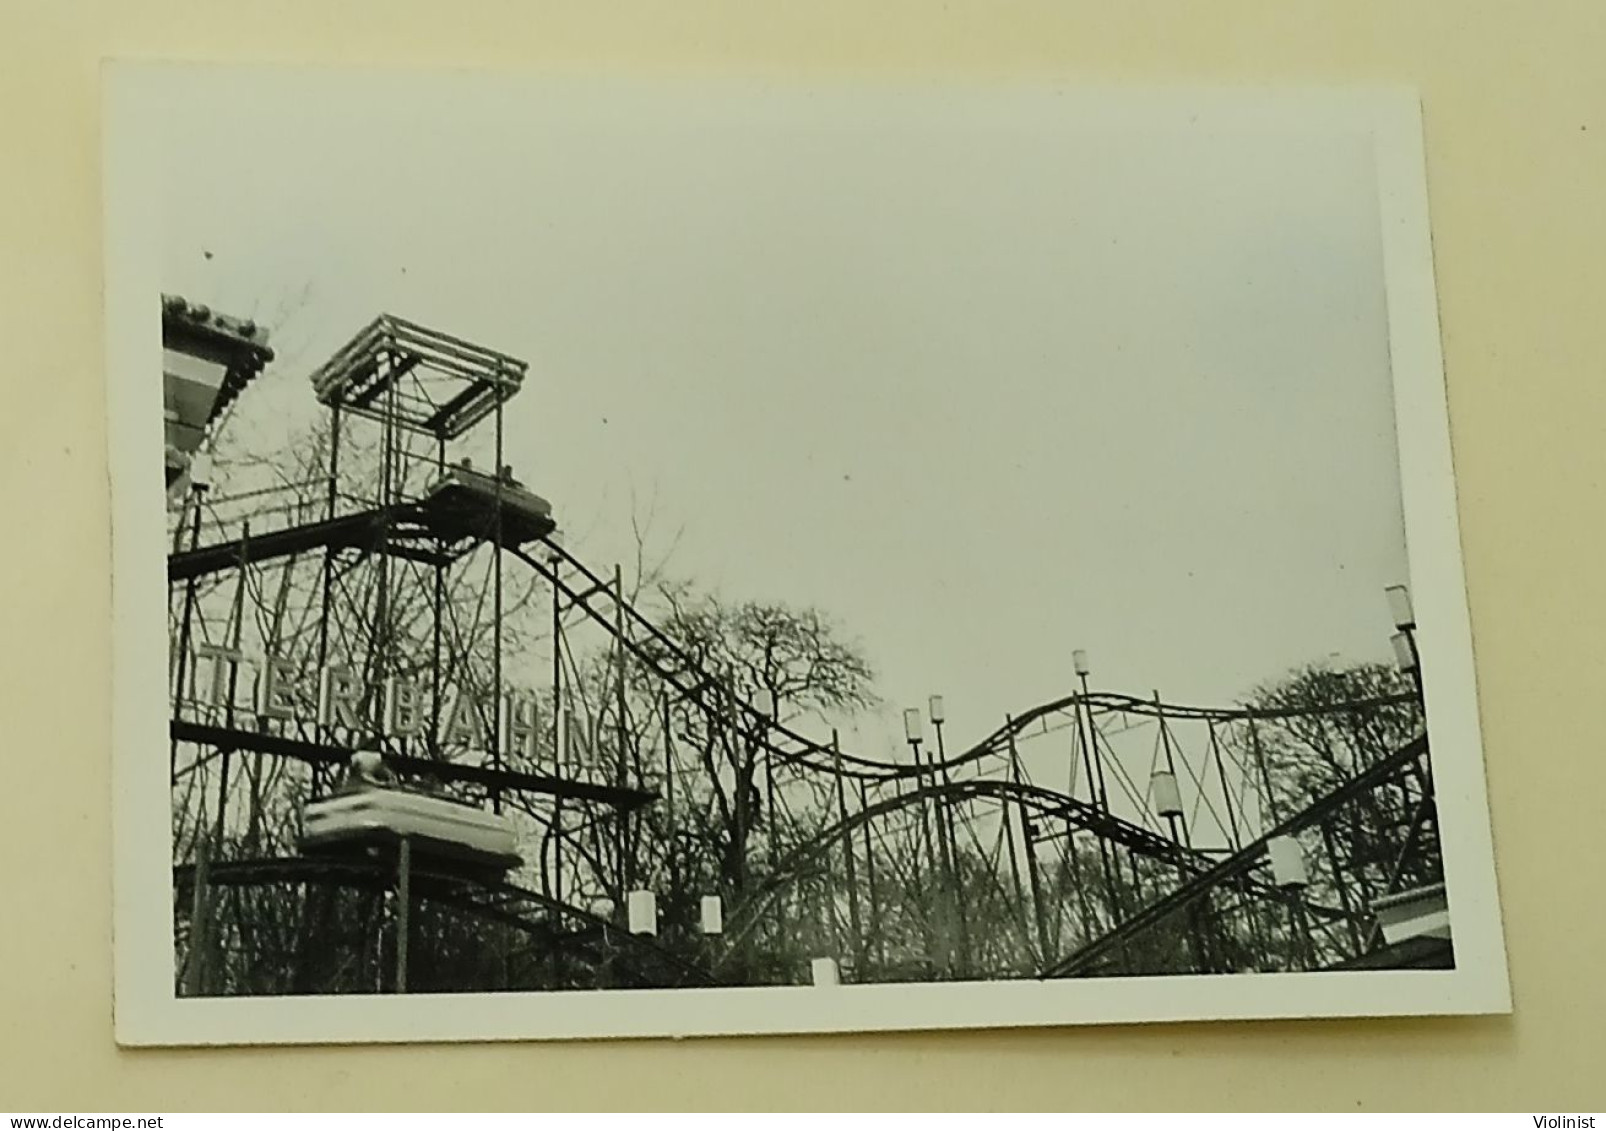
654,649
671,663
1236,866
1200,873
361,529
1049,805
528,911
318,753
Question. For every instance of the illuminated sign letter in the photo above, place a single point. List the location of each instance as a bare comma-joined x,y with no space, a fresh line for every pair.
404,708
279,689
223,661
340,698
576,747
520,725
463,722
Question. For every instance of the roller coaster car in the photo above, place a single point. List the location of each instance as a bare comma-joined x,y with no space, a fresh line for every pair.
370,812
464,502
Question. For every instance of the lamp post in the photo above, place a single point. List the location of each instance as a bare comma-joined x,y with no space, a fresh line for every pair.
946,830
1093,763
1409,658
1406,654
914,735
1090,754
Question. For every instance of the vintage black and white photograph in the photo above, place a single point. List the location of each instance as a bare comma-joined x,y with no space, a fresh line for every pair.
692,557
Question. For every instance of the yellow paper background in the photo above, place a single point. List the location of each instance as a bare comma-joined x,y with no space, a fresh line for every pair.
1515,106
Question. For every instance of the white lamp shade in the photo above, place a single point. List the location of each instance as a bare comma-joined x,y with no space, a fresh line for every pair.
936,709
764,702
642,907
1400,606
200,470
1404,651
1079,662
1165,795
825,973
1287,862
913,728
713,915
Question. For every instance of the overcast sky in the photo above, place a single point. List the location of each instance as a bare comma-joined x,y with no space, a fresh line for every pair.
985,379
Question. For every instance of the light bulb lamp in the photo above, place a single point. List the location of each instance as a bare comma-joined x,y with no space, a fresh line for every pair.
1092,762
1406,653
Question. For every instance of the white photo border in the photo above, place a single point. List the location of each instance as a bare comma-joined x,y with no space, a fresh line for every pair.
148,1012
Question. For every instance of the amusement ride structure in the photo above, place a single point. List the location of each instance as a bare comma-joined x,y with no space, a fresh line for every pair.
417,744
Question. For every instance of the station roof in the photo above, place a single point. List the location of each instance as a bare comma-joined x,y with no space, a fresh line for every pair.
239,345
